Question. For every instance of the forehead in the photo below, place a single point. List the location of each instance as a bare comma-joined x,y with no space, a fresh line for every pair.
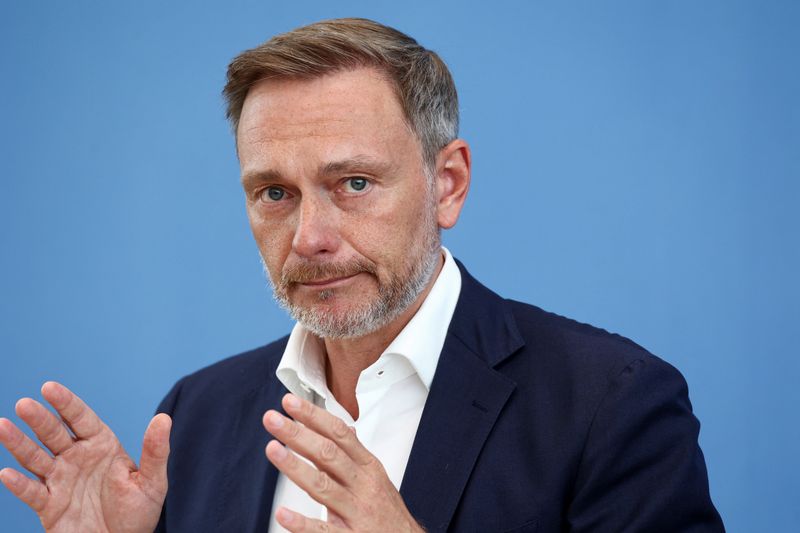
354,104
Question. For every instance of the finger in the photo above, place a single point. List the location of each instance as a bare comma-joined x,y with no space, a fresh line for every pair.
78,416
48,428
330,426
155,452
321,451
297,523
34,493
29,454
318,484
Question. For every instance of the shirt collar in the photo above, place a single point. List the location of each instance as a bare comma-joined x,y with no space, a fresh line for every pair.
421,341
302,367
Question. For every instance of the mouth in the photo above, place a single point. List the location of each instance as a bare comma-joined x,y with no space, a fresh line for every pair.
329,283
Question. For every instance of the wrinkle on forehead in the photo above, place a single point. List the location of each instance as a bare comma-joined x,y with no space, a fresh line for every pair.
265,133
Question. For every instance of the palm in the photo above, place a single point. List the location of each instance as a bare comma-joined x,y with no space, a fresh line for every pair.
93,467
89,483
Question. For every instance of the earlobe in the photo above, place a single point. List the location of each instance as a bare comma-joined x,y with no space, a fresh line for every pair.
452,181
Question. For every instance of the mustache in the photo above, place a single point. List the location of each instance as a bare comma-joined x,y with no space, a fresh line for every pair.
310,271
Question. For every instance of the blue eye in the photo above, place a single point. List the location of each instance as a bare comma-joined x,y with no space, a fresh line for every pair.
272,194
357,184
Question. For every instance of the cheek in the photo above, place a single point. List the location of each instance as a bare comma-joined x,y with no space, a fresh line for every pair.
386,233
273,238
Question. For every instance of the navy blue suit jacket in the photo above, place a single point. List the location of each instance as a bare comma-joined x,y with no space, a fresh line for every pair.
534,422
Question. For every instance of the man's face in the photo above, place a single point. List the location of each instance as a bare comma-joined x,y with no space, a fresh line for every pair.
338,200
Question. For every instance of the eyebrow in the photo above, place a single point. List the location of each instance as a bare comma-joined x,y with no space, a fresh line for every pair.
253,178
358,163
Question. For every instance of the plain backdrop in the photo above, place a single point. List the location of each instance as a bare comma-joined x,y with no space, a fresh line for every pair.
636,167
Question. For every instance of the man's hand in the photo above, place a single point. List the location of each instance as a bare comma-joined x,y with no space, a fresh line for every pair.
89,483
348,480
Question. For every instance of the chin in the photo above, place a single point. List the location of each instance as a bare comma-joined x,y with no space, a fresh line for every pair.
337,318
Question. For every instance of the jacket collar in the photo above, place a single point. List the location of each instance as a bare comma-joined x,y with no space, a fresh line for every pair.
483,322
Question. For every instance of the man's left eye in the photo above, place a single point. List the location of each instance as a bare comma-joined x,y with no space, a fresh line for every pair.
356,184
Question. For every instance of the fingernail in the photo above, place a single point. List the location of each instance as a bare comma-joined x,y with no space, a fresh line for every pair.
285,515
292,401
275,420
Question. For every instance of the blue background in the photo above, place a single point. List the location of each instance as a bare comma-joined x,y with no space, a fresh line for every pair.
636,166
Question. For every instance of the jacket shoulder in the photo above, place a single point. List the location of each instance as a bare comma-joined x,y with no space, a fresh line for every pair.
577,358
556,336
244,367
240,373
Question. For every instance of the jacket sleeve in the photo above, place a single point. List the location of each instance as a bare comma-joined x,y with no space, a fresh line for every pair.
642,468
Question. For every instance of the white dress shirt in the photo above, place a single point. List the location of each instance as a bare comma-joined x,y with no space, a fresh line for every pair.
391,393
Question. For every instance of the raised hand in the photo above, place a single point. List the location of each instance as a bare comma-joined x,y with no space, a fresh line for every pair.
348,479
87,482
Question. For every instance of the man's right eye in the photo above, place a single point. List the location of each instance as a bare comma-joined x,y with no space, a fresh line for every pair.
272,194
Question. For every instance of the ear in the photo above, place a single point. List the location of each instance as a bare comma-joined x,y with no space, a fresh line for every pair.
453,167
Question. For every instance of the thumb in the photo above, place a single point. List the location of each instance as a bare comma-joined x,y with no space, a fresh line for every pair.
155,451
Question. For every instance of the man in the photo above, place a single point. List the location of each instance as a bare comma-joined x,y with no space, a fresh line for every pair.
419,400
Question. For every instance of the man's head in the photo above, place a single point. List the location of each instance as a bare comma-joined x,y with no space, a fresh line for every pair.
344,200
420,79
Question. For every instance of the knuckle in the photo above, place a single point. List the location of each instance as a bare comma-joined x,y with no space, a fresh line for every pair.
371,463
28,492
322,482
24,492
29,455
17,440
293,430
340,428
76,414
328,450
41,459
50,430
322,527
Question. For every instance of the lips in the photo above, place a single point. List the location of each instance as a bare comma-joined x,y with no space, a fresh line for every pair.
326,283
322,276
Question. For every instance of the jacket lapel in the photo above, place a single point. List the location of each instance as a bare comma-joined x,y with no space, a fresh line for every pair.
466,397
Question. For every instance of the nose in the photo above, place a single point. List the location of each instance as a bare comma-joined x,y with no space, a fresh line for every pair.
316,233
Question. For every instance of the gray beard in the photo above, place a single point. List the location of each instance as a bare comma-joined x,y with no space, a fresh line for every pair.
393,299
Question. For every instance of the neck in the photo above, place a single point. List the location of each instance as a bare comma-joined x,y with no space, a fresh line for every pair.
347,358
